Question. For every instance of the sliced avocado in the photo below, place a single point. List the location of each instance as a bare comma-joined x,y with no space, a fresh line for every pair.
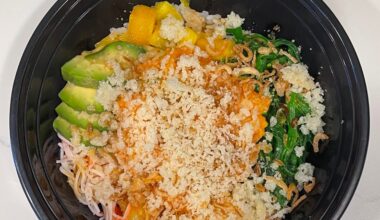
116,50
80,98
88,70
62,127
83,72
80,119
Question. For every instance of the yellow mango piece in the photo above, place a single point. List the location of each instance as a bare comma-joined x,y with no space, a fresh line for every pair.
164,8
141,25
185,2
191,36
156,40
222,48
136,213
225,46
202,42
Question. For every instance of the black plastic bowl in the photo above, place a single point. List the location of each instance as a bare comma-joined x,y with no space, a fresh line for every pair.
72,26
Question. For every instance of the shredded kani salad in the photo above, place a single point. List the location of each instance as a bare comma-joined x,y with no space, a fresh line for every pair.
185,115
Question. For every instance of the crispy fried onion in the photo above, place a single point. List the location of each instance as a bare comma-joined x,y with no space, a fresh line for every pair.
264,50
291,58
257,169
224,207
268,74
265,147
193,19
254,59
279,183
309,186
277,66
260,187
278,162
267,50
233,64
224,68
318,137
247,70
281,87
298,201
272,47
292,189
244,53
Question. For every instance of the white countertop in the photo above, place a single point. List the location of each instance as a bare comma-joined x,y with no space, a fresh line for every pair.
360,18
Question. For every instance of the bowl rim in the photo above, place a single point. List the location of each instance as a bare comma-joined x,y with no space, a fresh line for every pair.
33,194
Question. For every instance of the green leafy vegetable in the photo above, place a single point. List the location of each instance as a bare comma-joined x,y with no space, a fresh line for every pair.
297,106
280,198
264,62
257,38
291,47
237,34
291,142
278,132
286,133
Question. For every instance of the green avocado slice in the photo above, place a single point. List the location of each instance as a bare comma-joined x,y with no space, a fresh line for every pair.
88,70
80,98
80,119
116,50
83,72
63,127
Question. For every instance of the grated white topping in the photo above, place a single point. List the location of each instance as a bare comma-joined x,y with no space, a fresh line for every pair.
233,20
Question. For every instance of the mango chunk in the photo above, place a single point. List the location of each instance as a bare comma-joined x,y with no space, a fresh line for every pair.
141,25
164,8
191,36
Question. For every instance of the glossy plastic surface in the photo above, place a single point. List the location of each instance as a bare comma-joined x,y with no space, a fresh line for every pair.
73,26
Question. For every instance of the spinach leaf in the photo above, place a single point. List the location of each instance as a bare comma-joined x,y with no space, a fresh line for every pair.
278,144
291,47
288,173
274,105
237,34
280,198
297,106
291,142
283,59
258,38
264,62
255,41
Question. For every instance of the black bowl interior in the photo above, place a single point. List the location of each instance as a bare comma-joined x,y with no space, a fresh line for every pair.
73,26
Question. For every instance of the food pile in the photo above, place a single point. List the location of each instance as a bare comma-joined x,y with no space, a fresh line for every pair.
182,114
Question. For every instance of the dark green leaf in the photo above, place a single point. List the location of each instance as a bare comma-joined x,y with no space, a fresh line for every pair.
274,105
264,62
283,59
287,171
258,38
280,198
291,47
297,106
291,143
237,34
278,132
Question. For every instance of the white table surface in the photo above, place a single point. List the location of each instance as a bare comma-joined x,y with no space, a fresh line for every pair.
360,18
